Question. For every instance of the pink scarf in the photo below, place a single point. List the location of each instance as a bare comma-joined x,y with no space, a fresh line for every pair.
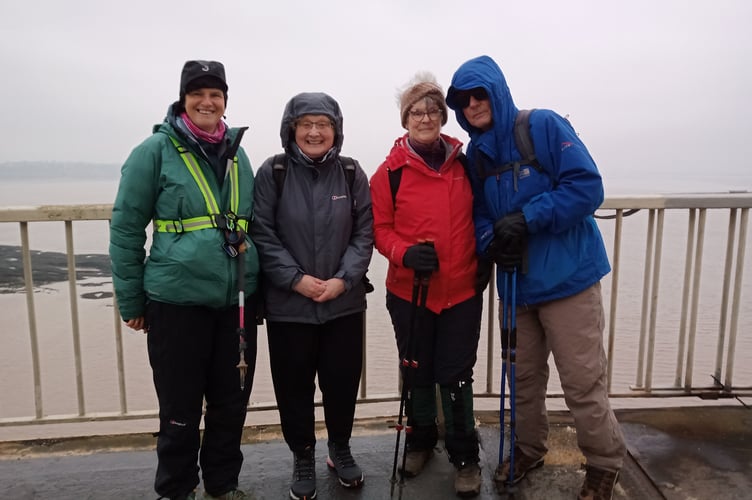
213,138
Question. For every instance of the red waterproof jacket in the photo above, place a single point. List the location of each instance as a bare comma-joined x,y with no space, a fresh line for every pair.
433,206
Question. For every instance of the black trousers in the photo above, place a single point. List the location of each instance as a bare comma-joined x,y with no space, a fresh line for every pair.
445,344
193,352
298,352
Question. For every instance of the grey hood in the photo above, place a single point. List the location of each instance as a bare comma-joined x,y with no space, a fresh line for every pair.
310,103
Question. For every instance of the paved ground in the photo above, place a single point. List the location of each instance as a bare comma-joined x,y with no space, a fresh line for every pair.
697,453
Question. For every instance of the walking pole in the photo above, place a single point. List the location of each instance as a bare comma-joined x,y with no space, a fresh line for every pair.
422,296
504,356
508,356
512,360
409,364
405,365
235,247
242,365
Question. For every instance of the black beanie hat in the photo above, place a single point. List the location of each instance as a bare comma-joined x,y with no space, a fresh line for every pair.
202,74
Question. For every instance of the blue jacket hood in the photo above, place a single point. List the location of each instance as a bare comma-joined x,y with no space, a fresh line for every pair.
482,71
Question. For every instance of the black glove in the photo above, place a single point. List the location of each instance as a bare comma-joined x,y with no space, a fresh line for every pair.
422,258
510,231
511,256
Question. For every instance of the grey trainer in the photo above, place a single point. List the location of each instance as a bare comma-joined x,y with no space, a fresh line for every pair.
341,461
303,485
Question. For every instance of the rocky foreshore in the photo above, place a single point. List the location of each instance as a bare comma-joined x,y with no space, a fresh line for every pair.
48,267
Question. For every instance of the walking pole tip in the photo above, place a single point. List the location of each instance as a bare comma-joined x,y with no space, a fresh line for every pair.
242,368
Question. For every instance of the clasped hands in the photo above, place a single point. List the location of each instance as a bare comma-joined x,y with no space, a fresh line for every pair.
319,290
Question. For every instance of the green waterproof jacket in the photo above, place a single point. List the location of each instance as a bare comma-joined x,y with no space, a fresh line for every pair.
184,268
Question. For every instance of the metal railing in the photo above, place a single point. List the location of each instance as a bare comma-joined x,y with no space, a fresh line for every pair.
622,285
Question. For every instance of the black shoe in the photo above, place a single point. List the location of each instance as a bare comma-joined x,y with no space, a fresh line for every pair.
303,485
341,461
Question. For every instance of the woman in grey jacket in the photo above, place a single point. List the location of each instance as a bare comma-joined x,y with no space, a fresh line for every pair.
313,230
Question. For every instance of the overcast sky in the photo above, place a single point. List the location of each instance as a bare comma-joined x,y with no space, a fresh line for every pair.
659,90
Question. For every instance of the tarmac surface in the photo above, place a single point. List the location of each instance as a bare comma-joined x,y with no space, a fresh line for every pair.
674,453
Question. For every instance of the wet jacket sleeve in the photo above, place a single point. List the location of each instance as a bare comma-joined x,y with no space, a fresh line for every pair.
577,185
482,217
279,267
132,211
357,256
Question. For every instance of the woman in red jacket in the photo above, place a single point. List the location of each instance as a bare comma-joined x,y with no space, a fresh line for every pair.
422,210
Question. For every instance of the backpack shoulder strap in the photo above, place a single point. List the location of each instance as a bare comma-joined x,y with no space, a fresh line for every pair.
348,166
395,177
279,171
523,140
462,157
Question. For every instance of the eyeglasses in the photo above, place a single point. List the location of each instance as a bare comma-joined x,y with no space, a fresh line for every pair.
462,97
417,115
322,125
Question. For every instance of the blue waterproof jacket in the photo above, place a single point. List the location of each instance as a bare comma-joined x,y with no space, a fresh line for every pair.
565,249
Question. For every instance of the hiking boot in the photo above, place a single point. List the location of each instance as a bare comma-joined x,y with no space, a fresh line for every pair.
415,460
303,485
599,484
230,495
467,480
522,465
340,460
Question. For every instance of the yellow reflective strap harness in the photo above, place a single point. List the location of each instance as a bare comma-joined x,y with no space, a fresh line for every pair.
228,221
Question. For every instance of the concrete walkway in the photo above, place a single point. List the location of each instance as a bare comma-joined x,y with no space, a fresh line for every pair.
694,453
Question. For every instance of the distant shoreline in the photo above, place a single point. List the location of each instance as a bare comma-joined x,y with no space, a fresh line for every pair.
59,171
50,267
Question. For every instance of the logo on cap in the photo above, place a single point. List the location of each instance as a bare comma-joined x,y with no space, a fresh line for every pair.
204,67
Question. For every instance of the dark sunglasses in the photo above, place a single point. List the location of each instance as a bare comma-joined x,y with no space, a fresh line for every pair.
462,97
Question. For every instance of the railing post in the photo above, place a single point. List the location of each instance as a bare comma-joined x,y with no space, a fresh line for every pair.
491,320
640,380
695,300
76,334
688,255
740,254
30,310
614,294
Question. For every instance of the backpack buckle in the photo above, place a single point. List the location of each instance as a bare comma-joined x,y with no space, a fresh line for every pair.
230,221
230,250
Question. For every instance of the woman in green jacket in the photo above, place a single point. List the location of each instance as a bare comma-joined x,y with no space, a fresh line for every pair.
194,183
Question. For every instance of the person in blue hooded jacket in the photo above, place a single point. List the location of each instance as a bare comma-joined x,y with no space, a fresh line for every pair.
541,220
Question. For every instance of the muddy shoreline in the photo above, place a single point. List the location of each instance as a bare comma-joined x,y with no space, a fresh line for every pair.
51,267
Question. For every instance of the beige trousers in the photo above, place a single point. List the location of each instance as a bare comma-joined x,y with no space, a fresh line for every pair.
572,329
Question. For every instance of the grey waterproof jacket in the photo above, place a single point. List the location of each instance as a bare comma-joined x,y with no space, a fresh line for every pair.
315,226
